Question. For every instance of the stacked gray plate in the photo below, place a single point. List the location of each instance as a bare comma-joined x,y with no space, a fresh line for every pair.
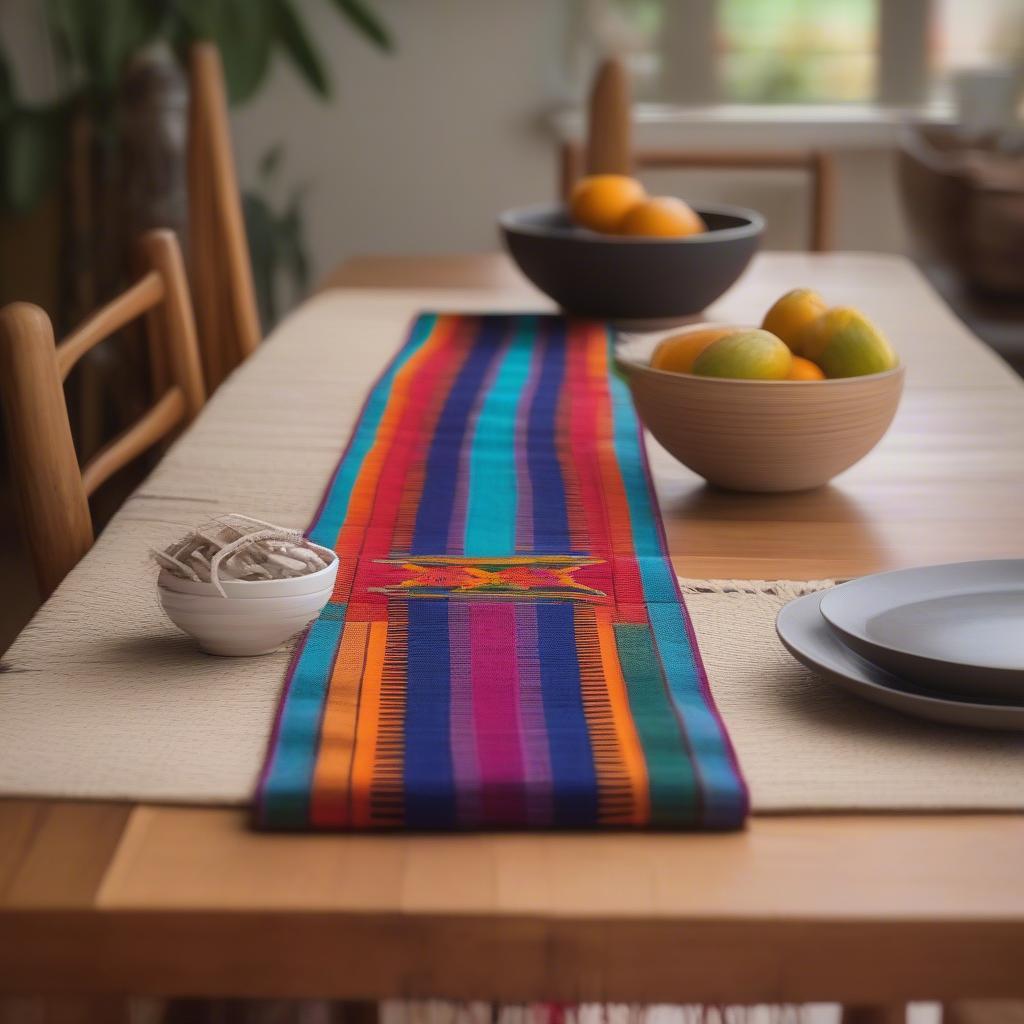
944,642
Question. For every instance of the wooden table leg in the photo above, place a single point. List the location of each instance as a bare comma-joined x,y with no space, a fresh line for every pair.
884,1013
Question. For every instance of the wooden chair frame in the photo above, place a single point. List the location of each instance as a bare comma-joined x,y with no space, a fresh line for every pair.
817,164
220,269
53,491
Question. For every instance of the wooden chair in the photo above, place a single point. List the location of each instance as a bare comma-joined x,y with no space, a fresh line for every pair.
220,271
53,491
608,150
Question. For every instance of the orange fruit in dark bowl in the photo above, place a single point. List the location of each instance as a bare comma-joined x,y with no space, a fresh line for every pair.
600,201
662,217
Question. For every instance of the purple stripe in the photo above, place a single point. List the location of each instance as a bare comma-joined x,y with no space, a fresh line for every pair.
532,725
495,711
465,764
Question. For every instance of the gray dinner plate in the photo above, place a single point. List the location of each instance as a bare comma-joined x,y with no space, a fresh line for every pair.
807,636
955,628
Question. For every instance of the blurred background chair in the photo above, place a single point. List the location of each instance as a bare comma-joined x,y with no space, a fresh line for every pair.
53,491
609,150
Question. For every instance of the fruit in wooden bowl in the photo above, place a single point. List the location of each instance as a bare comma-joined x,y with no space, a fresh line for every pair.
734,404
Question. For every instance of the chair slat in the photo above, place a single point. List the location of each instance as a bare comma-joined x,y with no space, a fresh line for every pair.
149,428
140,298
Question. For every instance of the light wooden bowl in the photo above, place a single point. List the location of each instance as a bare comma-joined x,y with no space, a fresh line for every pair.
753,435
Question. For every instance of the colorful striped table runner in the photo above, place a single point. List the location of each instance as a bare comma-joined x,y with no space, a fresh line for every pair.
506,646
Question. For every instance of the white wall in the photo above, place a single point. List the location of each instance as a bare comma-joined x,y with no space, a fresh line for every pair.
418,151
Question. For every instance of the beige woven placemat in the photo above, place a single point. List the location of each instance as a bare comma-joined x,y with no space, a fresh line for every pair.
102,698
131,710
806,745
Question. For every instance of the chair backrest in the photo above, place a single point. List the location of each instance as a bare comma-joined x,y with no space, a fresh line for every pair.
53,490
221,273
608,150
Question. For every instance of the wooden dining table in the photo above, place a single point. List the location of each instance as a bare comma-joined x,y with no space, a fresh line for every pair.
871,910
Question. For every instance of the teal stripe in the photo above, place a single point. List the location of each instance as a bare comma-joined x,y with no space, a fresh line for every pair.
724,797
332,515
289,778
673,786
493,495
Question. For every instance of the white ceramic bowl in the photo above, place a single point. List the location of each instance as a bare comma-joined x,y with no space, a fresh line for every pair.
254,618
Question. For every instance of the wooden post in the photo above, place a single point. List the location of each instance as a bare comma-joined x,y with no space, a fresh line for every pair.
609,143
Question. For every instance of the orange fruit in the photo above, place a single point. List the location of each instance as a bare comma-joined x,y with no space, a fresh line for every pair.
600,201
804,369
661,217
792,313
678,353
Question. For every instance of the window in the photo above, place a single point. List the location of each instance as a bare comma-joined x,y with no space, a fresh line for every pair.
897,52
796,51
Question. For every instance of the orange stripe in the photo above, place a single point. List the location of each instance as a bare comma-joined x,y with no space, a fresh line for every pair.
361,500
329,803
629,594
368,725
625,728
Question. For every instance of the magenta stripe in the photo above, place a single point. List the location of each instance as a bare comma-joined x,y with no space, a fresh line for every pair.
465,763
495,711
524,504
532,725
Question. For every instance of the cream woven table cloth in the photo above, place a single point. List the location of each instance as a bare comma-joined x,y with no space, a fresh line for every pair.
101,698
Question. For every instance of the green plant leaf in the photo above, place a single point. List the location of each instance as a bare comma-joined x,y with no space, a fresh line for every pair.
31,145
365,21
99,37
262,235
243,31
297,45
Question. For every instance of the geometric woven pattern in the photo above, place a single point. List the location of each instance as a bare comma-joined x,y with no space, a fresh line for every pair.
506,645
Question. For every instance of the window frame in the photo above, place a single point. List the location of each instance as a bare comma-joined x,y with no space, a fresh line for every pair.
690,78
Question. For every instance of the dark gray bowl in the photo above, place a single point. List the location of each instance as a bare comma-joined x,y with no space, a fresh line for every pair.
622,278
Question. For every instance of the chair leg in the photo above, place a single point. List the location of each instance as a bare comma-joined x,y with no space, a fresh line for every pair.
355,1012
882,1013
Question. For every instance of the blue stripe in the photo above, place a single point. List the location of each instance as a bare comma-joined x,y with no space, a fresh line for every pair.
550,520
286,792
493,491
328,524
573,778
433,516
427,773
723,796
